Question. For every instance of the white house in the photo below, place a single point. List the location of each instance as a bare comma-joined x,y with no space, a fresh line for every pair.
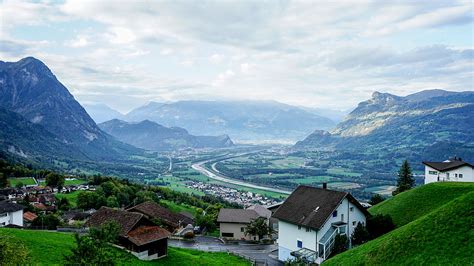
309,220
11,214
450,170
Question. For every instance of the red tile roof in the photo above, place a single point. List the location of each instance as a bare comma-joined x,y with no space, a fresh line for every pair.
29,216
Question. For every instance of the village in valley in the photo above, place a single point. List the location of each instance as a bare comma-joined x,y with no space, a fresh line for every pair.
305,226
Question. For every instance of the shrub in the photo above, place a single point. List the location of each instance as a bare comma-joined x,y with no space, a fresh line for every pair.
360,235
12,251
189,235
379,225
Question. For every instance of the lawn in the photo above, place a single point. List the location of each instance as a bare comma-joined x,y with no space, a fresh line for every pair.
24,180
310,179
412,204
72,197
178,184
72,182
49,248
441,237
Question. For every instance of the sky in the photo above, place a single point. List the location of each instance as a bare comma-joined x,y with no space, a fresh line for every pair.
320,54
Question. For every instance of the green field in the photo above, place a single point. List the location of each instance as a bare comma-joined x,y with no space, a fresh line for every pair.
311,180
49,248
178,184
24,180
412,204
74,182
72,197
342,171
440,236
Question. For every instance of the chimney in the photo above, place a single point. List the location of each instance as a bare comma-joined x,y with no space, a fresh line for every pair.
325,185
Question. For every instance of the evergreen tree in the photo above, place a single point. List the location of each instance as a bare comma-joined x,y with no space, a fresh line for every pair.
376,199
360,235
405,178
341,244
3,180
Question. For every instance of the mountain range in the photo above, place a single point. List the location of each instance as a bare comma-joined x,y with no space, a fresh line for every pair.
102,113
243,121
152,136
433,124
46,120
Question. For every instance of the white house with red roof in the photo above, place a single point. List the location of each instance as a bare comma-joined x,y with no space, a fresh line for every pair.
450,170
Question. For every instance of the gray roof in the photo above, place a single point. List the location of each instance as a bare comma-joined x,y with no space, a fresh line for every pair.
236,216
261,211
447,165
311,207
6,206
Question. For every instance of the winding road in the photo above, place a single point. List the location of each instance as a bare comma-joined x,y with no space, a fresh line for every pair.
216,175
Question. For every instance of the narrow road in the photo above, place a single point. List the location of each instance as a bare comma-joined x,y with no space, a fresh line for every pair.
220,177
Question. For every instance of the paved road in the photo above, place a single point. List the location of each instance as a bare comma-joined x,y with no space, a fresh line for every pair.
220,177
260,253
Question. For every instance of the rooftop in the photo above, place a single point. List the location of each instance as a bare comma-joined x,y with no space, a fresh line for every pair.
237,216
448,164
6,206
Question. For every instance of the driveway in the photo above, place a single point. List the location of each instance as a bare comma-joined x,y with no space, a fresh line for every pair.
254,252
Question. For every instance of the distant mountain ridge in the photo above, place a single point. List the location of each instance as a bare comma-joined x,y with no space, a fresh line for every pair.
30,89
435,124
152,136
101,112
241,120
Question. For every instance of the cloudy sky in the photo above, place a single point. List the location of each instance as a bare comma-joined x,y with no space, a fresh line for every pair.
328,54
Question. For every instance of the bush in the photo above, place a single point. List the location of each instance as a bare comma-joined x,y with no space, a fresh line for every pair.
379,225
360,235
189,235
376,199
341,244
12,251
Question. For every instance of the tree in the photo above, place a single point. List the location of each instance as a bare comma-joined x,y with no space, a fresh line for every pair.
112,202
405,178
379,224
19,185
63,204
360,235
376,199
55,180
258,227
3,180
341,244
12,251
49,221
94,248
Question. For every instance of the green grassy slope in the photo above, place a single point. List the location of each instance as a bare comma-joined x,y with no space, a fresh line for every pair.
49,248
411,205
442,237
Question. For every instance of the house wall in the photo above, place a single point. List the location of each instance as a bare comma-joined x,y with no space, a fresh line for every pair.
15,218
288,233
236,229
466,171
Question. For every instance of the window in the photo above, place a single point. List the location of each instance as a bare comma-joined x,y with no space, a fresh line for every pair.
342,217
299,243
353,223
455,175
242,229
308,229
351,208
334,214
432,172
299,227
228,234
460,175
447,175
3,214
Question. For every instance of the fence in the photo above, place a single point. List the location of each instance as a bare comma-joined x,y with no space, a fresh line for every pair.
255,262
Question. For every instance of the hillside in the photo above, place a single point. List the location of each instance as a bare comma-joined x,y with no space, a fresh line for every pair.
413,204
430,125
48,248
442,237
241,120
29,88
152,136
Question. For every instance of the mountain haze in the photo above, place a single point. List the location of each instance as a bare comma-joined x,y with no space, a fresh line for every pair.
152,136
101,112
244,121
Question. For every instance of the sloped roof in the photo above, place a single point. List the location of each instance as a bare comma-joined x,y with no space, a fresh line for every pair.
126,220
145,234
29,216
236,216
261,211
155,211
6,206
311,207
447,165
